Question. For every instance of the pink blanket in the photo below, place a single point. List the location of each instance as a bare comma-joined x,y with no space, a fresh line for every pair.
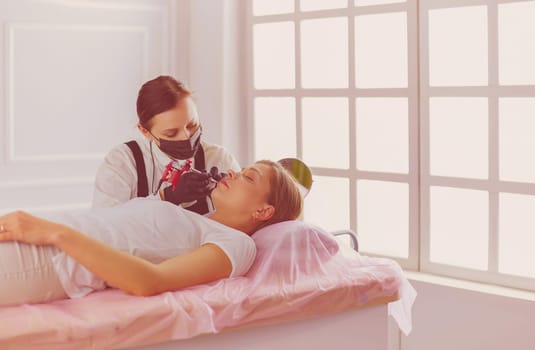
298,273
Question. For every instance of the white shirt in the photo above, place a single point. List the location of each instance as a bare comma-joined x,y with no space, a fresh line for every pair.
116,179
151,229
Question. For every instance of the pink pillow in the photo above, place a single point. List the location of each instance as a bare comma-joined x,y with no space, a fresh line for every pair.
292,247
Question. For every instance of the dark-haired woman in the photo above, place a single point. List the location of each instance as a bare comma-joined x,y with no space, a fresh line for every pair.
168,121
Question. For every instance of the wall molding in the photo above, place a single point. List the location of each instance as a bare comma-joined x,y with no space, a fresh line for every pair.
11,29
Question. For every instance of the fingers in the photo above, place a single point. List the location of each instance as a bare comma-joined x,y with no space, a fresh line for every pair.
214,171
11,221
215,174
195,180
7,236
191,186
6,233
194,176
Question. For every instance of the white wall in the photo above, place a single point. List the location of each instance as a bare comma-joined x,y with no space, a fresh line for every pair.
468,316
216,72
69,76
70,72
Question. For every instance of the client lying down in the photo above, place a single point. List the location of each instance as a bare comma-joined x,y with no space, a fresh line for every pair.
145,246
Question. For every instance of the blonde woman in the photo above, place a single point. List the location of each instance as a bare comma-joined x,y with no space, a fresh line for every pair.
144,246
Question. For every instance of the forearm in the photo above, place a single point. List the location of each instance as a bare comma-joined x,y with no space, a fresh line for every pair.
118,269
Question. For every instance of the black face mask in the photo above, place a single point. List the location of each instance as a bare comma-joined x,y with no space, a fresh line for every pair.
183,149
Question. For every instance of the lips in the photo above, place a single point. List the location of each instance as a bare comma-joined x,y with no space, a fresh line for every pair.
223,182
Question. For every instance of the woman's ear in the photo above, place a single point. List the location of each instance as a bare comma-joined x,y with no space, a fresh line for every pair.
264,213
145,132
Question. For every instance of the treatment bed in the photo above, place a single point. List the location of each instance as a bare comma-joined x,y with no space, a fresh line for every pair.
303,290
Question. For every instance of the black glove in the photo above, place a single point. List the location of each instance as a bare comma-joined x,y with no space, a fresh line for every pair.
190,187
216,175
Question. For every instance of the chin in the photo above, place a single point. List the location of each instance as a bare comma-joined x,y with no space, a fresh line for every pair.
215,196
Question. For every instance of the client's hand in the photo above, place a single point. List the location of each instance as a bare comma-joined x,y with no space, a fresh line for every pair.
190,187
23,227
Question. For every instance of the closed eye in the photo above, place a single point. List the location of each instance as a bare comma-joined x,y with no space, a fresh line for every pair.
170,135
246,174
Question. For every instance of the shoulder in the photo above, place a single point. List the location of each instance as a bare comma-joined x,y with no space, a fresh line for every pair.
119,161
122,153
123,148
239,247
219,156
214,149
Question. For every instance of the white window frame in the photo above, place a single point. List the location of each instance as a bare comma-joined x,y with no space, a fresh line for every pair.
418,93
493,91
351,93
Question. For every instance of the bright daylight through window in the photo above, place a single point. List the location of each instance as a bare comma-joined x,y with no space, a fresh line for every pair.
419,133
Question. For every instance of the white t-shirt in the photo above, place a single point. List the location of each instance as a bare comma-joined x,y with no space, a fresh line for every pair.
116,179
151,229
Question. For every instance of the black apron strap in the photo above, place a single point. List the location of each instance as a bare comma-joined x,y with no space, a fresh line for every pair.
142,183
200,164
201,207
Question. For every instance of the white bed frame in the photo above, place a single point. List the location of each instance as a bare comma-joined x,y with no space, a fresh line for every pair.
365,329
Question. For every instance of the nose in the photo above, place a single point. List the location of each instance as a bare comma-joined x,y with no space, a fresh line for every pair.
231,174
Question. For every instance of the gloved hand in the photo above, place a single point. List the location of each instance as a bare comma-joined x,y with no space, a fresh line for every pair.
191,186
216,175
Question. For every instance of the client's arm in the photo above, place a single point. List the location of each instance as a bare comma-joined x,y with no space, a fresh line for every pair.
119,269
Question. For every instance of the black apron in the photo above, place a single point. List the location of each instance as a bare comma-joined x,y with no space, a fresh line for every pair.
200,207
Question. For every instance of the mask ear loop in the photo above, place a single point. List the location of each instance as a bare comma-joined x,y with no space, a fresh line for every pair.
153,169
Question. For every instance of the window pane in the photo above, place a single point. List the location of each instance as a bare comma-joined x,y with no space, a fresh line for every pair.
458,54
313,5
381,50
274,128
324,53
459,227
274,55
516,228
272,7
327,204
458,132
517,143
382,134
383,217
326,132
516,30
375,2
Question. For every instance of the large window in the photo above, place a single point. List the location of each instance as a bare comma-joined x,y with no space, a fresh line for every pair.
477,98
418,132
